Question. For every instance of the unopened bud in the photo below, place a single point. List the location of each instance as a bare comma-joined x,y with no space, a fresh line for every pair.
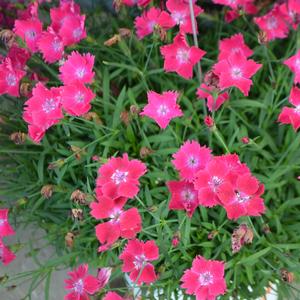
134,110
209,121
245,140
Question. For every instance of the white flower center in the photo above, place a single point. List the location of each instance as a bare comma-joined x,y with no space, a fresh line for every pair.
11,79
151,25
49,105
193,162
178,17
2,221
215,183
241,197
297,63
163,110
187,195
236,72
206,278
77,33
78,286
80,72
297,109
272,23
119,177
56,45
183,56
115,216
79,97
139,261
30,34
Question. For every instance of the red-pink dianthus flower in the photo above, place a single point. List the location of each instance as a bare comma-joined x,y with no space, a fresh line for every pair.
180,57
162,107
6,255
119,177
236,71
5,228
77,67
76,98
112,296
183,196
81,284
294,65
137,257
291,115
190,158
205,279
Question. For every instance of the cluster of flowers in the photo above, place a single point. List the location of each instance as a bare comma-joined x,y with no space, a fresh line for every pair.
214,180
45,106
6,255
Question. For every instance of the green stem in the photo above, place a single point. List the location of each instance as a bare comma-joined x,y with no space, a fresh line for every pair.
220,139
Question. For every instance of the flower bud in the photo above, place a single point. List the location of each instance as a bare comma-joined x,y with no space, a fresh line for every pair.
8,37
92,116
69,239
209,121
262,38
245,140
144,152
18,138
77,214
134,110
124,32
103,276
25,89
79,197
125,117
47,191
113,40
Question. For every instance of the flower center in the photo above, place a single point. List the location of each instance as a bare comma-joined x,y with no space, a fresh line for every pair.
11,79
241,197
49,105
215,183
151,25
115,216
178,17
188,195
183,56
30,34
78,286
79,97
56,45
139,261
192,162
80,72
297,63
77,33
163,110
272,23
206,278
119,177
2,221
236,72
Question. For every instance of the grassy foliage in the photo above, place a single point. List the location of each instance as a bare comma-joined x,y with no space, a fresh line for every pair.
124,73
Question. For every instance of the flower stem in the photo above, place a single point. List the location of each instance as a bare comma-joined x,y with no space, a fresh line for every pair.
221,140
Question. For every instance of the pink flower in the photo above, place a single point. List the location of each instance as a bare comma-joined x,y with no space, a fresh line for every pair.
76,98
180,14
51,46
205,279
290,13
122,223
81,284
294,5
77,67
43,109
162,108
291,115
136,258
242,198
35,133
231,15
119,177
190,158
29,31
236,71
234,44
140,3
31,12
5,228
210,181
181,58
112,296
103,276
236,4
10,78
183,196
6,255
273,24
212,104
150,20
72,30
294,65
18,56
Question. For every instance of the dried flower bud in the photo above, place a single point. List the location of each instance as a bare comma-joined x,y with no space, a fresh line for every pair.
241,235
117,4
134,110
113,40
18,138
245,140
209,121
211,79
69,239
2,120
47,191
56,164
103,276
92,116
79,197
212,234
262,38
287,276
144,152
77,214
25,89
266,229
8,37
125,117
124,32
95,158
77,151
160,32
